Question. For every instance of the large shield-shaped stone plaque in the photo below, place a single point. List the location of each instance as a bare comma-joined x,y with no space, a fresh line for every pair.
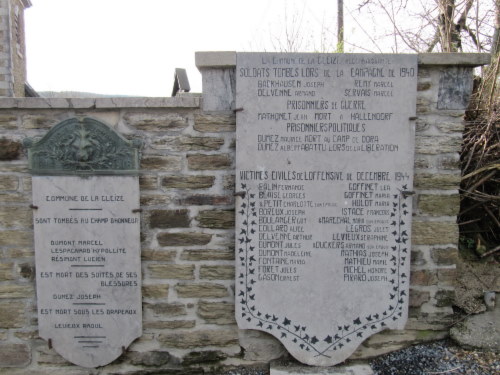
325,147
87,242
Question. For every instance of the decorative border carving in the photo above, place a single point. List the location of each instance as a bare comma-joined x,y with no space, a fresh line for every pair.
297,333
83,146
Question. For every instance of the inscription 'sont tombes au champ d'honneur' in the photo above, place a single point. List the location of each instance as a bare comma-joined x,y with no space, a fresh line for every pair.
325,148
87,248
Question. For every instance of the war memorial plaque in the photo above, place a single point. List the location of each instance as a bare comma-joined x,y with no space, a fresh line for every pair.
87,247
325,146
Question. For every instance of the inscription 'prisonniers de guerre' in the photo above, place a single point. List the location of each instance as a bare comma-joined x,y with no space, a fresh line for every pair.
325,165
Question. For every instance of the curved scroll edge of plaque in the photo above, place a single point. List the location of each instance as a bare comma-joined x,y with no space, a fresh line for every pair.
83,146
342,341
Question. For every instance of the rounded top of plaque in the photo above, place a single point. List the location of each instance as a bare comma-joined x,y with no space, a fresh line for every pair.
83,146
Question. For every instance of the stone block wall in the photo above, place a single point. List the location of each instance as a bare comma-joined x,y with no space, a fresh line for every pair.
187,229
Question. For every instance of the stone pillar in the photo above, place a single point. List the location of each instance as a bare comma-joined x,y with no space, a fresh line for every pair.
12,48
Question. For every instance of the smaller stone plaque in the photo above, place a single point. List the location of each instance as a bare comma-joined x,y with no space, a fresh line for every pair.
87,240
88,265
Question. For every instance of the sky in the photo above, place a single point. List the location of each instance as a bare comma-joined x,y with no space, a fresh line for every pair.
130,47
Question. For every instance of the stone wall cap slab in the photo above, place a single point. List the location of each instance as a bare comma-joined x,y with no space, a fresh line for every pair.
461,59
354,369
223,59
227,59
185,101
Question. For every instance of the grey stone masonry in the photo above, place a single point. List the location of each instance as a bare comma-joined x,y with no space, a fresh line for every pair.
187,225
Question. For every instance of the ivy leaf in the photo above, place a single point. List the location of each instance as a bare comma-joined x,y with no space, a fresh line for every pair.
314,340
296,328
369,318
286,321
283,334
328,339
357,321
260,324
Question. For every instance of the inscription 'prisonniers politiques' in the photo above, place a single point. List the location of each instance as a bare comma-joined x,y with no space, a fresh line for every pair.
325,162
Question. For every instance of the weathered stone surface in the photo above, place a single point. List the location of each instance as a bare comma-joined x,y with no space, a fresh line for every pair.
171,271
217,272
423,105
150,358
9,149
183,239
16,238
215,123
188,182
216,312
19,252
14,198
155,199
433,145
294,369
207,356
445,256
169,324
455,87
9,182
216,219
423,277
188,143
158,255
14,355
161,163
148,182
16,291
481,331
260,346
436,181
6,271
157,121
423,86
8,122
200,162
447,276
12,217
417,258
41,121
201,290
228,182
198,339
439,205
450,127
12,315
169,219
449,162
444,298
155,291
422,162
205,200
418,297
166,309
431,233
208,254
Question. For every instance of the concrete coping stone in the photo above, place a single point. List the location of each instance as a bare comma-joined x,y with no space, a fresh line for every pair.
184,101
227,59
296,369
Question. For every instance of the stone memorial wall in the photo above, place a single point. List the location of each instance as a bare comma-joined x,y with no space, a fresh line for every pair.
324,161
187,224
